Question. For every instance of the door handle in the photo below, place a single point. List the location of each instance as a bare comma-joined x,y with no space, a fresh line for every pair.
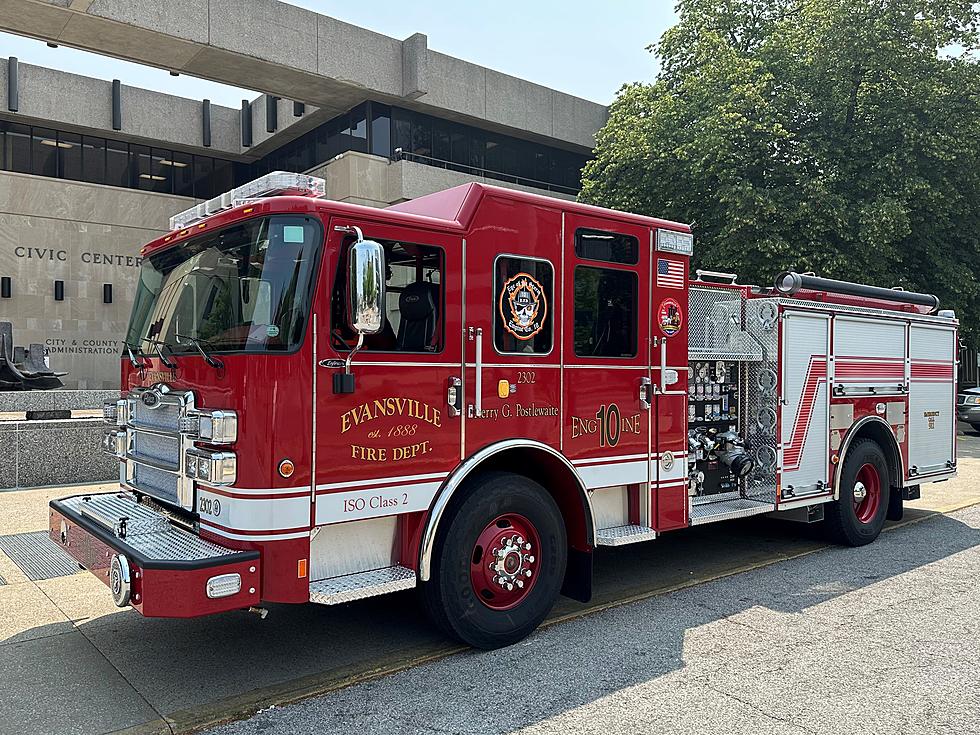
475,409
646,388
454,396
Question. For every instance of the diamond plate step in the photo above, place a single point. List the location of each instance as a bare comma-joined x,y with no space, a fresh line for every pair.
350,587
37,556
622,535
727,510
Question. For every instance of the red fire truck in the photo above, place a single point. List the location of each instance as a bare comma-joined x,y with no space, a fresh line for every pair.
469,392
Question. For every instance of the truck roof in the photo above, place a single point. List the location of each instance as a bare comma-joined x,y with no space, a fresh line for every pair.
449,210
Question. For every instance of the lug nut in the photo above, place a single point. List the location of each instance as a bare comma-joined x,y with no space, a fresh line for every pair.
527,572
530,560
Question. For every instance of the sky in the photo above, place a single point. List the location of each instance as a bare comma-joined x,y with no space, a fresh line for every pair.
588,49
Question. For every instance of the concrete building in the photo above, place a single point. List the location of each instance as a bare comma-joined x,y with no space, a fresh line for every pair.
92,169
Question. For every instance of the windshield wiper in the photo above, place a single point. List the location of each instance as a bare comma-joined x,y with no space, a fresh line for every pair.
159,345
132,358
209,359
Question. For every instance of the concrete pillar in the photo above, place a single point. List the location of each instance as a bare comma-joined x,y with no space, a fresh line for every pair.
12,91
415,66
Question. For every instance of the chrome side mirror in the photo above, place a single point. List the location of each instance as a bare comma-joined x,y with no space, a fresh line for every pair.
365,299
366,287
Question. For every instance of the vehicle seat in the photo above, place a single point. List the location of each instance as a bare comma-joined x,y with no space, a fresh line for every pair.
417,305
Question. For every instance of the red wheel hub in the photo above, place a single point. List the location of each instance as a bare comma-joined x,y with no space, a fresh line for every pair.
867,493
504,565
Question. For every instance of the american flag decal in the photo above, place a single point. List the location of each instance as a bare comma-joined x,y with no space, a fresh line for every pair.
670,273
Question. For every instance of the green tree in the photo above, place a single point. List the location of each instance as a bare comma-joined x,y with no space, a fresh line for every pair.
838,136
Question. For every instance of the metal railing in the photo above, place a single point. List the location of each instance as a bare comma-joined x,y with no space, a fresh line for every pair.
401,155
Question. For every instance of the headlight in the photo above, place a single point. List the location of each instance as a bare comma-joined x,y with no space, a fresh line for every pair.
973,400
214,427
214,468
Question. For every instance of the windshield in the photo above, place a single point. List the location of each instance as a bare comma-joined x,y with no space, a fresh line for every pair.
244,288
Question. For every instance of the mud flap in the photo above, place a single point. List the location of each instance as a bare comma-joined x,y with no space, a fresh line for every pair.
578,575
896,505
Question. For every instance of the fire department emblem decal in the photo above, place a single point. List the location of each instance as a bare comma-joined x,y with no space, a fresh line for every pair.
523,306
669,317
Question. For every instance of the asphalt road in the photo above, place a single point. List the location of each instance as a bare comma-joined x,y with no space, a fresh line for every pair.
883,639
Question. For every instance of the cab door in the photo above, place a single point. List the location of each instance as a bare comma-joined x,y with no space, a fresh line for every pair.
607,391
669,315
385,448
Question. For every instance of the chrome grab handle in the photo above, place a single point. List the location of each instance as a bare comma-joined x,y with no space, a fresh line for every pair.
663,366
454,396
476,409
645,389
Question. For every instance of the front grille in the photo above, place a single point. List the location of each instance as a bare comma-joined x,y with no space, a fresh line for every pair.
159,483
164,417
156,448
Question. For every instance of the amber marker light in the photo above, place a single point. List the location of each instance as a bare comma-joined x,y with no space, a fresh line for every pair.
301,568
287,468
503,389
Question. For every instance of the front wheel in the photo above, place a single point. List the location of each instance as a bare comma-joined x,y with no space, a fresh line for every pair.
498,563
858,515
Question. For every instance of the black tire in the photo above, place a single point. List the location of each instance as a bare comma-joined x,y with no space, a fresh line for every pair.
841,521
450,596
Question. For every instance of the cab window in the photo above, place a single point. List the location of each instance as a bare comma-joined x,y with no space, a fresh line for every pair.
415,299
605,312
523,305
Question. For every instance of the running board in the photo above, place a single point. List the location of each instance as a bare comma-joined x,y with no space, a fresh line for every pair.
350,587
726,510
622,535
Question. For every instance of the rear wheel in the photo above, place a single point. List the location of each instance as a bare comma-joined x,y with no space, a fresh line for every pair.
498,563
858,516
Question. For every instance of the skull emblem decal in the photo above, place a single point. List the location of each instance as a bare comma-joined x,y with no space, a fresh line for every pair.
523,306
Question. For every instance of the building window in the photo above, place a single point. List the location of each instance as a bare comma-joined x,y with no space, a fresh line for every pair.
181,167
414,302
70,156
93,159
610,247
605,312
523,305
380,130
203,170
17,145
44,152
117,163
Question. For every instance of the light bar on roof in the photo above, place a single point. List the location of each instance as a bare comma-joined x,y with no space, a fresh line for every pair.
277,183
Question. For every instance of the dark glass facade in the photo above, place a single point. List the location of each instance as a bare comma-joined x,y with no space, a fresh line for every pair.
396,133
371,127
64,155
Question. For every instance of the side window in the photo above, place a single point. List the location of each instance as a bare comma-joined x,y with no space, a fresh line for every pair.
523,320
415,297
605,312
610,247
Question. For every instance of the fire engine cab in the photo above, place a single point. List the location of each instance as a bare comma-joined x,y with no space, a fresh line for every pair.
471,391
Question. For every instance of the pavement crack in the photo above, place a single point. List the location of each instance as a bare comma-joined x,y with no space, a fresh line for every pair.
760,710
115,668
